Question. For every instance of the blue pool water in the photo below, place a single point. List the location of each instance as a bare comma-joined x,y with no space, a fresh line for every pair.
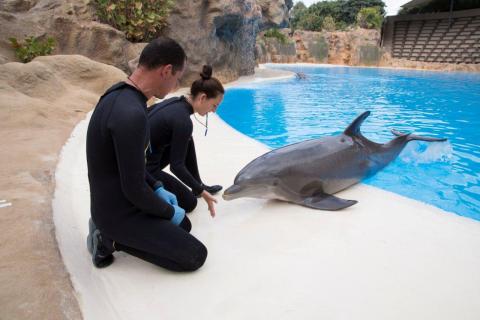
436,104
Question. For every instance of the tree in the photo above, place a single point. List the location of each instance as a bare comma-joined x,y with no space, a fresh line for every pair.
343,12
311,22
327,8
351,8
296,14
369,18
328,24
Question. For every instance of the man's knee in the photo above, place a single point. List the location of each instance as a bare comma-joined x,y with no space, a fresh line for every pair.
197,259
186,224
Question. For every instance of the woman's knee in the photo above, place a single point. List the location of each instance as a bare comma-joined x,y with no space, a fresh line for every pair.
189,203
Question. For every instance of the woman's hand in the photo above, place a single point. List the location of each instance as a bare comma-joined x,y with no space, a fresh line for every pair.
210,202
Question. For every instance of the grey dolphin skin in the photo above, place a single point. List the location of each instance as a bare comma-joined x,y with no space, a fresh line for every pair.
308,173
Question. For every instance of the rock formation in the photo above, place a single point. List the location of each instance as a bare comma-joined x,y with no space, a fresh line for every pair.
40,102
219,32
222,33
353,47
274,13
71,23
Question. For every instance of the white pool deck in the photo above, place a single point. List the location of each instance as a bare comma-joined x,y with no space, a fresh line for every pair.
388,257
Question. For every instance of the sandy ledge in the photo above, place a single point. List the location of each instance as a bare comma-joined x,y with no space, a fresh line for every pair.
387,257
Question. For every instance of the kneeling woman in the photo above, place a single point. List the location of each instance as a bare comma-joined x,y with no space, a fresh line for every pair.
172,142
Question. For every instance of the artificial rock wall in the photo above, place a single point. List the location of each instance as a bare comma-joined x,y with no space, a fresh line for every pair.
353,47
218,32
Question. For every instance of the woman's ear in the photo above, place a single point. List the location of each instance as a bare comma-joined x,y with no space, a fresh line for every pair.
203,97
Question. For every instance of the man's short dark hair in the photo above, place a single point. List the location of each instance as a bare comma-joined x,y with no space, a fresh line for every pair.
162,51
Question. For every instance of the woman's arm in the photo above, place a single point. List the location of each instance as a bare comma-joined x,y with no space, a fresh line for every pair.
181,135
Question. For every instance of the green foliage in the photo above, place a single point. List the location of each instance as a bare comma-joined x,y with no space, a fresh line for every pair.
311,22
275,33
328,24
369,18
350,9
141,20
299,6
32,47
343,12
296,14
327,8
341,25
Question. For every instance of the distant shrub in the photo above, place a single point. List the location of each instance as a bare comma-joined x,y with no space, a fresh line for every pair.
343,12
342,26
32,47
328,24
141,20
311,22
275,33
369,18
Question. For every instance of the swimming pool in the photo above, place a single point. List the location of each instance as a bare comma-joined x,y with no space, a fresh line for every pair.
438,104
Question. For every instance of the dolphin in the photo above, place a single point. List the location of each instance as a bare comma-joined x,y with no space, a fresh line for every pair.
308,173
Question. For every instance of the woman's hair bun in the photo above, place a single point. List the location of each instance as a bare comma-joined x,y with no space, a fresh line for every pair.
206,72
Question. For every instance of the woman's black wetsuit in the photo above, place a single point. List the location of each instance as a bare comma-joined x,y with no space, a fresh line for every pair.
172,143
124,206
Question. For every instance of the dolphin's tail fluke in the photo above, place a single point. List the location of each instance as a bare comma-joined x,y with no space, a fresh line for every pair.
411,137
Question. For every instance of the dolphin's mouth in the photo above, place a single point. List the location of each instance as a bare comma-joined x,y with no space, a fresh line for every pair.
232,192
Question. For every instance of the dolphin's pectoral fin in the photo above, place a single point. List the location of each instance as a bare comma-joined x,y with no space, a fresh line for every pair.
325,201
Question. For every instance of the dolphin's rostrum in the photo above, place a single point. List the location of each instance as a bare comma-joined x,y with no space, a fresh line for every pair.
310,172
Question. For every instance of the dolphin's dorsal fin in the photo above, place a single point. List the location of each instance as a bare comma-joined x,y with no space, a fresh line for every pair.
354,128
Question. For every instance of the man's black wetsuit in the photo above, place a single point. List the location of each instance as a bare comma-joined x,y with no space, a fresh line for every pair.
172,143
124,206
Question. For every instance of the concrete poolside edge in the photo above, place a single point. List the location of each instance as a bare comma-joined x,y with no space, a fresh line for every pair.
387,257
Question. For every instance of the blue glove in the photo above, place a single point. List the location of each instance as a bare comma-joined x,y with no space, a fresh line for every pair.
169,197
178,216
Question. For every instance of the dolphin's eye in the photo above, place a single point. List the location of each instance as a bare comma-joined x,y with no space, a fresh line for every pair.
342,140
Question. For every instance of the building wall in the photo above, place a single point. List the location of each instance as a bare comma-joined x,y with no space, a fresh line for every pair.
434,37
